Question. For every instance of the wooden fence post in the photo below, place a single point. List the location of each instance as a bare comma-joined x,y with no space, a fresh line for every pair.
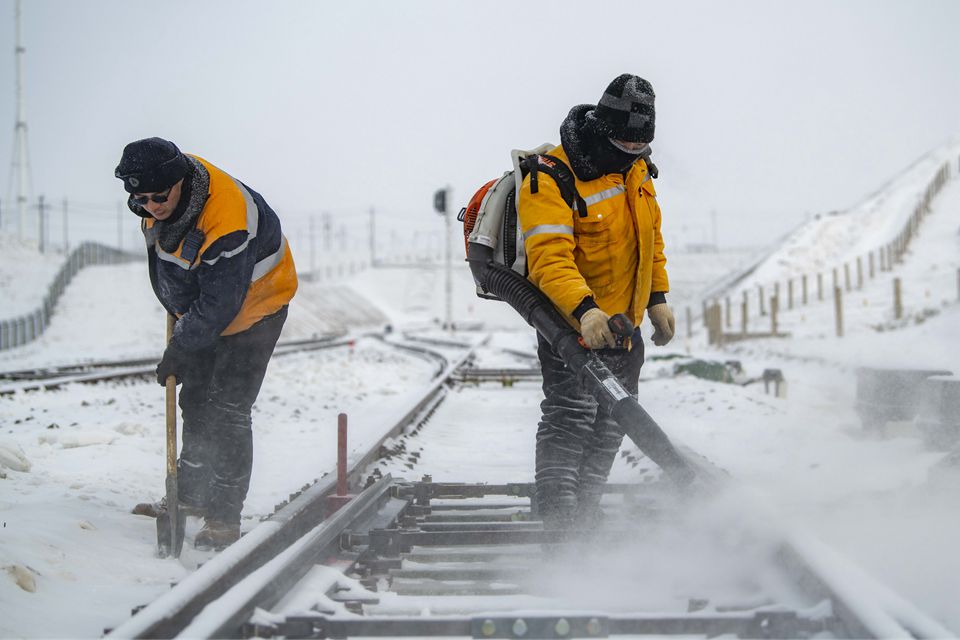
838,310
836,278
859,273
726,302
763,306
689,323
871,266
804,289
820,287
744,309
774,306
714,327
718,322
897,300
790,293
846,276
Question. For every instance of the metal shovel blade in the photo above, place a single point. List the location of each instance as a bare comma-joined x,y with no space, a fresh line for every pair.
170,524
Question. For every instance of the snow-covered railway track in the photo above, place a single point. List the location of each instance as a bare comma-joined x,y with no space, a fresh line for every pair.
427,559
171,614
54,376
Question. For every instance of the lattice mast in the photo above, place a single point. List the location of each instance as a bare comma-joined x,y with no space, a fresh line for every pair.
20,164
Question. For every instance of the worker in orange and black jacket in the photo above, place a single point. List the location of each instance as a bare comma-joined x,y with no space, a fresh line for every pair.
219,262
593,264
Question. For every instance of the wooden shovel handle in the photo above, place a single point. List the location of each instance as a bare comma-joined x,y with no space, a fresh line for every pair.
171,409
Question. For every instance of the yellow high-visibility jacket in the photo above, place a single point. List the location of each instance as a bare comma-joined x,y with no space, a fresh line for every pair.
614,253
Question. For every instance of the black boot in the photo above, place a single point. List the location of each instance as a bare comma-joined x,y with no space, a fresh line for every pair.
216,535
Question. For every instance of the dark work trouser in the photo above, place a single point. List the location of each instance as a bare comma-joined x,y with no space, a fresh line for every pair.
216,399
577,441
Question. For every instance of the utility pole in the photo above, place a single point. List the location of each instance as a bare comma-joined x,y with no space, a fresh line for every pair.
41,231
20,163
66,235
327,231
713,225
373,242
120,225
313,246
440,203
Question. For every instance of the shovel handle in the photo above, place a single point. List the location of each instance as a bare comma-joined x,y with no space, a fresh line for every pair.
171,409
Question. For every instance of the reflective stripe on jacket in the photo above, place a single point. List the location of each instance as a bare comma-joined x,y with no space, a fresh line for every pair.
614,253
242,272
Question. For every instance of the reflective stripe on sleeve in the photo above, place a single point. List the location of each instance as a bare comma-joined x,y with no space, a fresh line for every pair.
562,229
169,257
265,266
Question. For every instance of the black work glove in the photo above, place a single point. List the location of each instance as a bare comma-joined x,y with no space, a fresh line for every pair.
175,362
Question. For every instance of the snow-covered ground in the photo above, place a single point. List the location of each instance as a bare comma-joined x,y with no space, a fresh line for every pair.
86,454
24,276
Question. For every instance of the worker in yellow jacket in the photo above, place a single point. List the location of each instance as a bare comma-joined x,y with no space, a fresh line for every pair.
592,265
220,263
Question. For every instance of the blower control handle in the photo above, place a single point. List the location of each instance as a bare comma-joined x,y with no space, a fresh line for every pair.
621,327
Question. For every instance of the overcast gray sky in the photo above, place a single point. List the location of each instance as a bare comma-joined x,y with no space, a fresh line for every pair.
766,111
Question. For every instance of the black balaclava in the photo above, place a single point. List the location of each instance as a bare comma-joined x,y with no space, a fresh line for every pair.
624,112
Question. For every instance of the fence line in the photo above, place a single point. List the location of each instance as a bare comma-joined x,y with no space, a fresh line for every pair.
886,256
18,331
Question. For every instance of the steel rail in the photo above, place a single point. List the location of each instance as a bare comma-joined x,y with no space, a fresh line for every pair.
406,525
267,585
288,348
850,605
170,614
52,371
423,352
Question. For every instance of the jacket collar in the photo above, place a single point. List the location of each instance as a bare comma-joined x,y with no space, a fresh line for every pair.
196,190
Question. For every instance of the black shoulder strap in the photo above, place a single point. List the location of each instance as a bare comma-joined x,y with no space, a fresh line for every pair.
191,244
561,174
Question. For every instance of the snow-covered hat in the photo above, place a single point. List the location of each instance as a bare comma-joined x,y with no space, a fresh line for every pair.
151,165
625,111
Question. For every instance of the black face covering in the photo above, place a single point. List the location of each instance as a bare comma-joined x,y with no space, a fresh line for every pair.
606,157
591,155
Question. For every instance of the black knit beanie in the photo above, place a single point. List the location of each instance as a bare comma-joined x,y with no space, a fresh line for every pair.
151,165
625,111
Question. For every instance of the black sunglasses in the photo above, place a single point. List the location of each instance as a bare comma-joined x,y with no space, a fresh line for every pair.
159,198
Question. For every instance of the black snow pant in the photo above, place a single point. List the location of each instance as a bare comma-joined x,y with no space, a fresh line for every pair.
216,400
577,441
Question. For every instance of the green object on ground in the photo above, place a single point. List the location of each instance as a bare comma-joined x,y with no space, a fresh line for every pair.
706,369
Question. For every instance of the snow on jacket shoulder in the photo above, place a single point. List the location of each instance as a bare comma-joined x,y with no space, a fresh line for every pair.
242,272
614,253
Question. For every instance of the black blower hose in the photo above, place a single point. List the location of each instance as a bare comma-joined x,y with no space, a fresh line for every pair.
539,312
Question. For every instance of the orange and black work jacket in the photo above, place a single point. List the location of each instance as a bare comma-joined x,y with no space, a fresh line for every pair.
232,268
614,253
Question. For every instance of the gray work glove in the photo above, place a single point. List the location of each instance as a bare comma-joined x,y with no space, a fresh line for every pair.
595,329
663,324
